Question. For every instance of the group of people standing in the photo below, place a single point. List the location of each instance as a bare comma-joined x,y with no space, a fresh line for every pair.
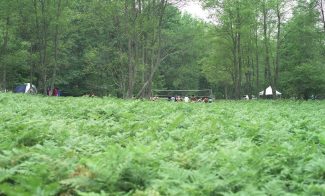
187,99
56,92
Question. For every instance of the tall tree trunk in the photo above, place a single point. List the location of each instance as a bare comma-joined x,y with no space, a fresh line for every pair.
234,59
226,92
130,70
136,41
238,90
322,7
162,6
277,58
257,60
41,28
235,65
249,75
4,78
143,61
147,86
239,66
130,21
266,45
234,75
31,73
37,25
239,55
44,44
56,46
3,51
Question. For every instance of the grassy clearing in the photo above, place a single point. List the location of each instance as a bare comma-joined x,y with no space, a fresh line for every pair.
101,146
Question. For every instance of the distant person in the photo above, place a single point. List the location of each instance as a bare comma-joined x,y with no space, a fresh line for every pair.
179,99
154,98
55,92
48,90
206,100
193,98
186,99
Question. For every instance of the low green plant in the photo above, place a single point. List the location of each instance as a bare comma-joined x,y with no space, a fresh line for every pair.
103,146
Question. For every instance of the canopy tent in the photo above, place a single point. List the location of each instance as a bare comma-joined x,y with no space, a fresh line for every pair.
268,91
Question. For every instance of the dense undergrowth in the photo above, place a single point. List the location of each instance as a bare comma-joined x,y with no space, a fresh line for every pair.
106,146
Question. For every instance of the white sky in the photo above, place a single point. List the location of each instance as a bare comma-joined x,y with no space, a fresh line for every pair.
195,9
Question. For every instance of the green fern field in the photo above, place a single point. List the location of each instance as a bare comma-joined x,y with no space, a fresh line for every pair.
106,146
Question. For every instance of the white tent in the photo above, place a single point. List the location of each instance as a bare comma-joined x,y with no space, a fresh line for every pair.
30,88
268,91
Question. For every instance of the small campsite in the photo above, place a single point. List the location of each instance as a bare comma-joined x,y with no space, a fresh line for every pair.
109,146
162,97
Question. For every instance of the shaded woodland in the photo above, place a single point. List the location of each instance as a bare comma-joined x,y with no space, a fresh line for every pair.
127,48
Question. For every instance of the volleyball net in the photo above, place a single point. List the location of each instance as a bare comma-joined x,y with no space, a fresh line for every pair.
188,93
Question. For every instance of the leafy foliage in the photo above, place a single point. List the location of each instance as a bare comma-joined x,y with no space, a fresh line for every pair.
106,146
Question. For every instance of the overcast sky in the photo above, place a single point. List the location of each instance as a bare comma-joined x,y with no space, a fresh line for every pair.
196,10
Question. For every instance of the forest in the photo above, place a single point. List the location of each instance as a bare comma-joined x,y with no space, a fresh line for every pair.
127,48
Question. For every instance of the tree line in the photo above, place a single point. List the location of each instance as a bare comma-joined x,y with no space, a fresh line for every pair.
276,43
127,48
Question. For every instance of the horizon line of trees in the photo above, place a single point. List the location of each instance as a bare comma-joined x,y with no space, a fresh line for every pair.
127,48
261,43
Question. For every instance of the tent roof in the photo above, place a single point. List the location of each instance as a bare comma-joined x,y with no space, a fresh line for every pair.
26,88
20,89
268,91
